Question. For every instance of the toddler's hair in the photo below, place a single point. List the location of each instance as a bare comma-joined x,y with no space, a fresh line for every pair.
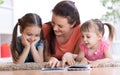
98,26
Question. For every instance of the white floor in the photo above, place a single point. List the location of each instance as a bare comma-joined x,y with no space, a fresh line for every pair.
5,60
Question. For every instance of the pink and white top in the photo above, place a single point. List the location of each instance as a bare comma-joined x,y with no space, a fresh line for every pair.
99,53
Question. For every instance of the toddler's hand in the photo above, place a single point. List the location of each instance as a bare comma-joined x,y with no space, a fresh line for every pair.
94,64
84,61
68,58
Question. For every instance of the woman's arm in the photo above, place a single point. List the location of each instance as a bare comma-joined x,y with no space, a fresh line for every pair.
69,57
51,61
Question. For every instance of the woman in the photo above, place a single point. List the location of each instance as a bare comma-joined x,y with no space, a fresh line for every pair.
62,34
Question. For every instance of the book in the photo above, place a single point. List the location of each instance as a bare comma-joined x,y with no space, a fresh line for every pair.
78,67
69,68
53,69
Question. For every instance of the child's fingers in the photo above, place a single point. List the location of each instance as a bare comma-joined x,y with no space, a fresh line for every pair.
63,62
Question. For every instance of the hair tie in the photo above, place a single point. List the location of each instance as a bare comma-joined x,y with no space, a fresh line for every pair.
19,22
103,24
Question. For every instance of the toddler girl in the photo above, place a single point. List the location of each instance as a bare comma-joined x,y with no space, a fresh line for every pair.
94,49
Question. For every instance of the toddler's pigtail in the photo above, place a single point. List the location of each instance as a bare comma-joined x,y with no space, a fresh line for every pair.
111,31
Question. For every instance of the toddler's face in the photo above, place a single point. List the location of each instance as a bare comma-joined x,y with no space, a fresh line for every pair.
32,33
90,39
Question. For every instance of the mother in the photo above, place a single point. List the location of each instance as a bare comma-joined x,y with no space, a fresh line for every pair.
63,35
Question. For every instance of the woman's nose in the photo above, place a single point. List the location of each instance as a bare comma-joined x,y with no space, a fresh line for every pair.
55,28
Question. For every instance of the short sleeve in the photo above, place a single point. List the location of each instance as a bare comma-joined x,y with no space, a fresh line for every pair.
105,44
40,44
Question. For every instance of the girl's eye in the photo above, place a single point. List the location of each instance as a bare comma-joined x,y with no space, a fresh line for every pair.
29,34
88,36
37,35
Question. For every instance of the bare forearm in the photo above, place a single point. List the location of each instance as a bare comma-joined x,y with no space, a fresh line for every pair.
74,56
23,56
38,57
105,60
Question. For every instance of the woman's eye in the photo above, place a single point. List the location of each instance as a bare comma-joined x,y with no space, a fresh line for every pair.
60,26
52,23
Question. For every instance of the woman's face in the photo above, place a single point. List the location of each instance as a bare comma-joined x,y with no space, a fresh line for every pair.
60,25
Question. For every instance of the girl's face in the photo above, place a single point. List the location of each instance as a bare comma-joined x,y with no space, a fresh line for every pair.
32,33
60,25
90,39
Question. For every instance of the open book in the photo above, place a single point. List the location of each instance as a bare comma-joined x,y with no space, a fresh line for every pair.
78,67
69,68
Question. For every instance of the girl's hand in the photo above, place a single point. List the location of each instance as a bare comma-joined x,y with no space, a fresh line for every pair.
53,62
68,58
35,42
24,41
84,61
93,64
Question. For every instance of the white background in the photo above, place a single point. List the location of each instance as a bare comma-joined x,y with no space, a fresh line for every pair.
87,8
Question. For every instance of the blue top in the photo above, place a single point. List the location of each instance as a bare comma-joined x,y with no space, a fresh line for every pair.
21,47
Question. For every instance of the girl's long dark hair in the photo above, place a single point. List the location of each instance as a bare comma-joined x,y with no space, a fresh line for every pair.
27,20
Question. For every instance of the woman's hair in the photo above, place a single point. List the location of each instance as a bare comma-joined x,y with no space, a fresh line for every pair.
68,10
29,19
98,26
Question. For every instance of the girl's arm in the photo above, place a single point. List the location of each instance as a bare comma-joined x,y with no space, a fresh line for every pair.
80,55
108,58
37,55
23,56
81,58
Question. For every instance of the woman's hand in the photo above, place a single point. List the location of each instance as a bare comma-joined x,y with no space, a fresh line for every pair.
53,62
68,58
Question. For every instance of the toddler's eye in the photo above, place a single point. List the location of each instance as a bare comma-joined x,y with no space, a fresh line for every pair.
82,36
88,36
